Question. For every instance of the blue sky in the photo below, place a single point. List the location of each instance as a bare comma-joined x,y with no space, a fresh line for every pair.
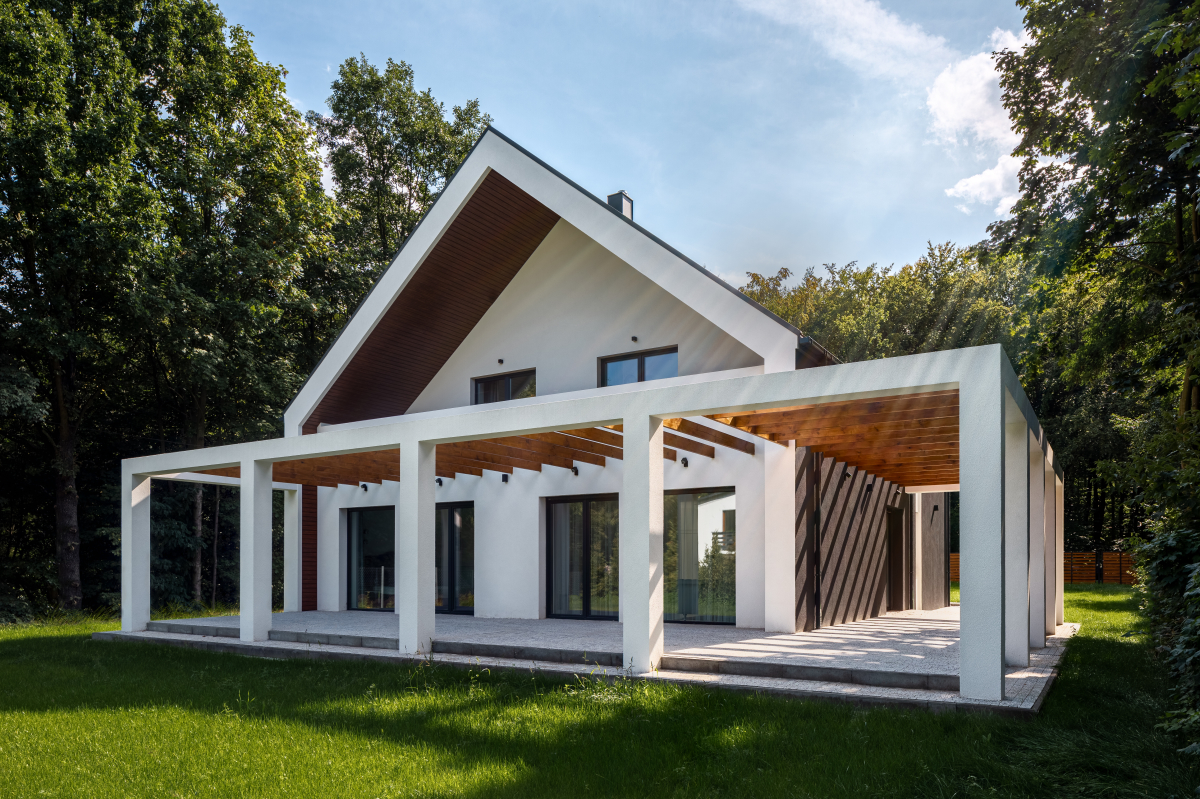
752,134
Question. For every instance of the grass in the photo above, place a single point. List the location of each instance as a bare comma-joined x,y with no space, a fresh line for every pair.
953,592
80,718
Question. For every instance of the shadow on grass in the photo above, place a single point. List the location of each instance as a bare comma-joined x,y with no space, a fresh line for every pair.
1095,737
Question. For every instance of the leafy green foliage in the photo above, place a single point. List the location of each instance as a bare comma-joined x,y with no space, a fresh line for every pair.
390,149
951,297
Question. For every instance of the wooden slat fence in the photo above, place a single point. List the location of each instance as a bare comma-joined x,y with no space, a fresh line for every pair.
1080,567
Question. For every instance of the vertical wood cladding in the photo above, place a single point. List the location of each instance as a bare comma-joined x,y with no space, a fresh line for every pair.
841,523
807,568
308,547
935,589
478,255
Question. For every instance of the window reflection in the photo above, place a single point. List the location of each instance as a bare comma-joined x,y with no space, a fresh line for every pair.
700,557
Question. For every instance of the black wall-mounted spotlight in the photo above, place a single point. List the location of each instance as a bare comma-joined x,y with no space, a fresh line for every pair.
504,478
439,482
633,338
870,487
575,470
364,486
684,462
499,360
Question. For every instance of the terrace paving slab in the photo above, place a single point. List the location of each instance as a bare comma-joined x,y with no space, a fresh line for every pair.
1025,687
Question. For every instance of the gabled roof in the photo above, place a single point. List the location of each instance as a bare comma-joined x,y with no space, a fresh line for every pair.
491,216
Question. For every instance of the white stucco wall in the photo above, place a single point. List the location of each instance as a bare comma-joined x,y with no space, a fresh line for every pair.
574,302
510,528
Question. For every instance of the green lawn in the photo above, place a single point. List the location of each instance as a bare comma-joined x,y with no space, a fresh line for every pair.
80,718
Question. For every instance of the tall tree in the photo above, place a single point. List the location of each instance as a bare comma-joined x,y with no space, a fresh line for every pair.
74,220
237,174
390,150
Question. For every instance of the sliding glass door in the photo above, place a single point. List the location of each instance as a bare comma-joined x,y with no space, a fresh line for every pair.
700,556
583,578
372,558
454,548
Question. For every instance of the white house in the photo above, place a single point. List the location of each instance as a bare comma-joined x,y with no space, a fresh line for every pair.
542,410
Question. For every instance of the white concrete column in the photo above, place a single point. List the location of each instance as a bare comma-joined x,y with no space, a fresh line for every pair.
255,550
291,550
1049,519
779,495
135,552
1037,545
416,597
1059,514
981,534
641,543
1017,443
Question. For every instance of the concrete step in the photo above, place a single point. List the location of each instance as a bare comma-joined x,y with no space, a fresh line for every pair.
791,671
467,648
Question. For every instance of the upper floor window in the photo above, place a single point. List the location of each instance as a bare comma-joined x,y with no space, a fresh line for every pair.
637,367
515,385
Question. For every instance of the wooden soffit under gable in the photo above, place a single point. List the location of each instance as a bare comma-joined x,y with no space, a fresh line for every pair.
485,246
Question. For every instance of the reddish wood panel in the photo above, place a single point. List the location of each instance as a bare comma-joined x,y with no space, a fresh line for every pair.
482,250
308,547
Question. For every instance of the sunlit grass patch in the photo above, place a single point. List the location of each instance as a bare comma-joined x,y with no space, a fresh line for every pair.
82,718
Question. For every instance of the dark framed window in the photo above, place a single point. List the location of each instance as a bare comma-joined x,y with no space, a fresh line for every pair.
582,576
498,388
637,367
454,552
700,556
372,558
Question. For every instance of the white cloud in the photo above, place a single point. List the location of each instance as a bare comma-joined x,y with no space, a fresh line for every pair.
962,91
964,99
864,36
998,184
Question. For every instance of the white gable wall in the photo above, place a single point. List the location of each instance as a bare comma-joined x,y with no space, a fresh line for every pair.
574,302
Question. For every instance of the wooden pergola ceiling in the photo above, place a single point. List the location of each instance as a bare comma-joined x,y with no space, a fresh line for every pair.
910,440
564,450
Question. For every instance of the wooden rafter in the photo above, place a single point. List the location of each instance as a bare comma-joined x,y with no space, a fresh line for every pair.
908,439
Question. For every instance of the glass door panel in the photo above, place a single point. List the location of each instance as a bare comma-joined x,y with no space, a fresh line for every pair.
584,580
372,545
441,547
454,558
464,560
566,559
700,557
604,582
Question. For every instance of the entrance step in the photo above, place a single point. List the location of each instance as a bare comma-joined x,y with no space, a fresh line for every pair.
466,648
794,671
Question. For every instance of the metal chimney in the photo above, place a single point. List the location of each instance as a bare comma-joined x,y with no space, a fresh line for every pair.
622,203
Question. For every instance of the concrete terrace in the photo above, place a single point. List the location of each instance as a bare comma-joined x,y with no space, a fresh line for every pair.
908,658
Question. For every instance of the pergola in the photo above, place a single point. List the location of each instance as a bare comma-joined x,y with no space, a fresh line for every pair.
900,418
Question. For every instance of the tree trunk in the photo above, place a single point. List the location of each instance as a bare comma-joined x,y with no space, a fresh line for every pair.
216,532
197,560
66,495
196,441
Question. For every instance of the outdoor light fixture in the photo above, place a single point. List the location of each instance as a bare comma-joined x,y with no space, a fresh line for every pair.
364,486
684,462
499,360
575,470
504,478
870,486
439,482
634,338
